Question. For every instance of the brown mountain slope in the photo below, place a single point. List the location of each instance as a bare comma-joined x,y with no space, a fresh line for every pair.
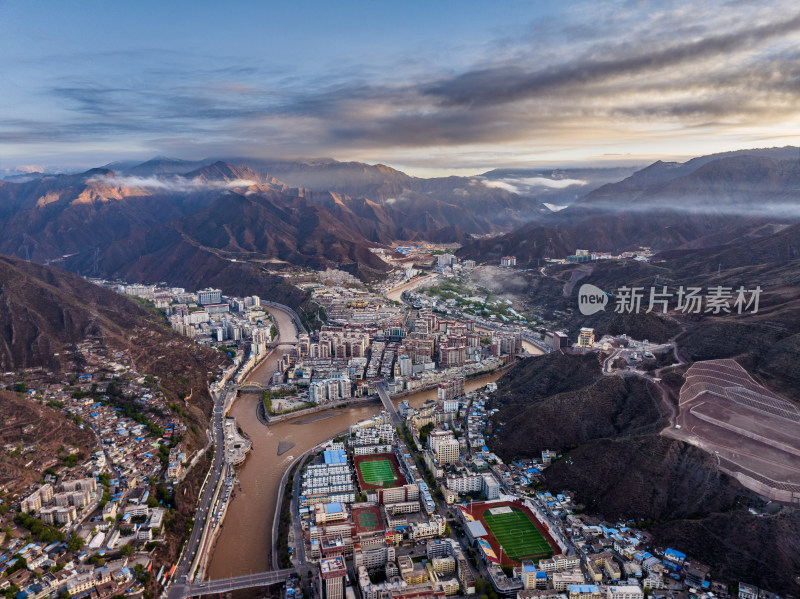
262,223
103,224
46,310
608,407
647,477
24,423
562,400
692,506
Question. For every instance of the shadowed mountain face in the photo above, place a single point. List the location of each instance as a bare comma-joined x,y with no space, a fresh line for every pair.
702,203
45,310
195,224
558,401
424,208
619,466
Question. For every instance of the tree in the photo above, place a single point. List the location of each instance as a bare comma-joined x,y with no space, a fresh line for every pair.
425,431
75,543
127,550
11,591
479,584
20,564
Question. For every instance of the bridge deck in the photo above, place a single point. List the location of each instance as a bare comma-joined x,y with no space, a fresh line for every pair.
213,587
388,405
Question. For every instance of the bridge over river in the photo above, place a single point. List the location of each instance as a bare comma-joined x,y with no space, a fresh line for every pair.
224,585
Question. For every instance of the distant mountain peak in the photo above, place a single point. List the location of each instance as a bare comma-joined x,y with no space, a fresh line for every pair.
164,165
222,171
99,172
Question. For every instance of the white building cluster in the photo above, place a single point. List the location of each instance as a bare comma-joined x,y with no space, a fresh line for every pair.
329,390
60,507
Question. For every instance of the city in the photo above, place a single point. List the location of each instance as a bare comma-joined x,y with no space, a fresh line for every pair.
408,503
364,300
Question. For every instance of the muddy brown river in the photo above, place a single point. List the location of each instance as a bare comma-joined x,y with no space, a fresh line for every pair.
243,544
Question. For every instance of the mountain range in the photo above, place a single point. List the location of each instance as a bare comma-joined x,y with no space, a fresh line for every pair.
229,225
705,202
237,223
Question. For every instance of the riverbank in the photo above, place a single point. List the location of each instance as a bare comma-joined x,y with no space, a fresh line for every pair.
245,541
267,419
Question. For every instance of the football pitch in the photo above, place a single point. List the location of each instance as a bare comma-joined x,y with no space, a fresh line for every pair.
379,473
516,534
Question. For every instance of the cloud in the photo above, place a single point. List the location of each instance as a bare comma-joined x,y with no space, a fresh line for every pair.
175,184
702,205
530,184
602,76
501,184
508,83
551,183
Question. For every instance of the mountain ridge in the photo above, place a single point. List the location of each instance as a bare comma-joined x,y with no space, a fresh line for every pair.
664,206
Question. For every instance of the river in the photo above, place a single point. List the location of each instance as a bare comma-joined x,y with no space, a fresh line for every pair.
395,293
243,544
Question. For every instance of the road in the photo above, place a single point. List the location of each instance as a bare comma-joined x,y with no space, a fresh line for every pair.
609,360
299,548
299,543
215,477
186,560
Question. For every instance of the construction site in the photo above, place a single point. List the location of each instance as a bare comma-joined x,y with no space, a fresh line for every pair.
753,432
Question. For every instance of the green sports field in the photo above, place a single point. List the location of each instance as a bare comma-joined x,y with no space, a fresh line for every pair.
517,535
367,519
379,473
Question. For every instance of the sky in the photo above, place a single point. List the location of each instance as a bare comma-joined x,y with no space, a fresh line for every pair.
431,88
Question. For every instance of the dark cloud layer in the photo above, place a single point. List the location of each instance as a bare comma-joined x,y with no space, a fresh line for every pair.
573,83
509,83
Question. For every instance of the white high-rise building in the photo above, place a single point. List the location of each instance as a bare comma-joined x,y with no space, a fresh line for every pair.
209,296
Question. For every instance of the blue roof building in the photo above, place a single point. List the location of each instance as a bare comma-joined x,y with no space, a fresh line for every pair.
583,589
675,555
335,456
